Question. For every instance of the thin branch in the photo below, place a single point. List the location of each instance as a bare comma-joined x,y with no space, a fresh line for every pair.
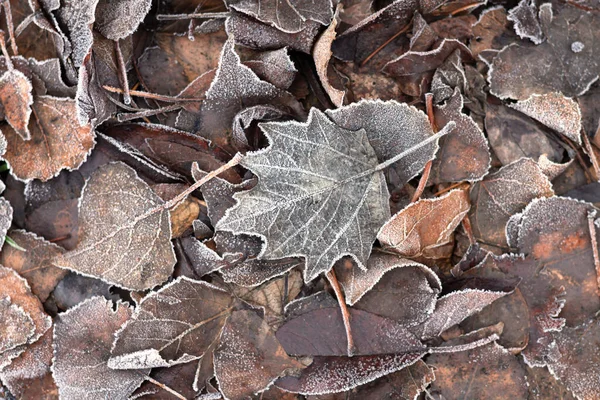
146,113
427,169
591,154
122,74
177,17
153,96
165,387
11,27
449,188
594,240
9,63
377,50
345,313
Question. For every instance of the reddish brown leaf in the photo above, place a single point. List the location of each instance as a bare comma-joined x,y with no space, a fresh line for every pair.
249,357
16,98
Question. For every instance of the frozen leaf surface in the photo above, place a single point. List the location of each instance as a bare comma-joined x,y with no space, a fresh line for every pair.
78,16
17,326
57,141
555,111
173,325
118,226
318,196
6,217
82,340
249,357
287,16
16,98
35,264
117,19
426,227
521,70
504,193
322,54
526,23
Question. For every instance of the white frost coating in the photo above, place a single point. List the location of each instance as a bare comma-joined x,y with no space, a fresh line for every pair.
577,47
525,21
145,357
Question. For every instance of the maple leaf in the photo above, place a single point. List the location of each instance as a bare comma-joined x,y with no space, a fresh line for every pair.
320,194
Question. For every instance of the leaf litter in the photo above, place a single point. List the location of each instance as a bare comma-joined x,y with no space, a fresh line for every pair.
288,200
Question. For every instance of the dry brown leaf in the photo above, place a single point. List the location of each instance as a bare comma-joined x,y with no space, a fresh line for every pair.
425,228
249,357
118,226
322,54
117,19
177,323
16,98
35,264
83,337
57,141
17,326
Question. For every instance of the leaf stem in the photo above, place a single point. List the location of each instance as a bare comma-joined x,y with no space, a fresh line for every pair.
594,240
165,387
148,95
176,17
9,63
10,26
344,309
122,74
427,169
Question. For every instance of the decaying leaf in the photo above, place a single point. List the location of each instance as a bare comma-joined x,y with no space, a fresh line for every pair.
173,325
117,19
329,218
83,337
357,282
17,326
492,23
555,111
503,194
565,62
425,228
16,98
287,16
249,357
526,23
120,226
77,17
6,217
488,372
322,54
57,141
35,264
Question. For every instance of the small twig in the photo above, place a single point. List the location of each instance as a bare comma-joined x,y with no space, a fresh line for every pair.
165,387
9,63
11,27
591,154
122,74
449,188
427,169
377,50
466,224
467,7
592,227
147,113
344,309
176,17
153,96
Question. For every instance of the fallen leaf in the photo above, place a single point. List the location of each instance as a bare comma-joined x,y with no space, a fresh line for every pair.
249,357
488,372
555,111
17,326
77,17
322,54
525,20
83,338
177,323
503,194
521,70
118,225
57,141
289,16
16,98
6,217
425,228
117,19
35,264
491,24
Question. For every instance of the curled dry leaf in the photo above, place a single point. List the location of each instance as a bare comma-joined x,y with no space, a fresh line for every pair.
120,222
555,111
249,357
35,264
565,62
117,19
339,374
173,325
357,282
503,194
488,372
526,23
302,205
321,332
16,99
287,16
464,154
425,228
57,141
392,128
77,17
322,54
82,340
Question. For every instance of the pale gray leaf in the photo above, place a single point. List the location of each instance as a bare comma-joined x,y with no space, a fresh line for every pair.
122,239
117,19
526,23
173,325
319,195
6,216
77,16
83,336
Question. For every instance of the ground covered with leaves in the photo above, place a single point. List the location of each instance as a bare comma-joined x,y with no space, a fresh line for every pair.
299,199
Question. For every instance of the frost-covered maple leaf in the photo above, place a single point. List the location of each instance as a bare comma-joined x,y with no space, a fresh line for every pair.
321,193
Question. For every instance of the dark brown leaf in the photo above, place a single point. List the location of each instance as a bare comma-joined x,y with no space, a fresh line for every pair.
249,357
526,23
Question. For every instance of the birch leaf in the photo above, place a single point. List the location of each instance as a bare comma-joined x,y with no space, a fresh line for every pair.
16,98
120,240
320,195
